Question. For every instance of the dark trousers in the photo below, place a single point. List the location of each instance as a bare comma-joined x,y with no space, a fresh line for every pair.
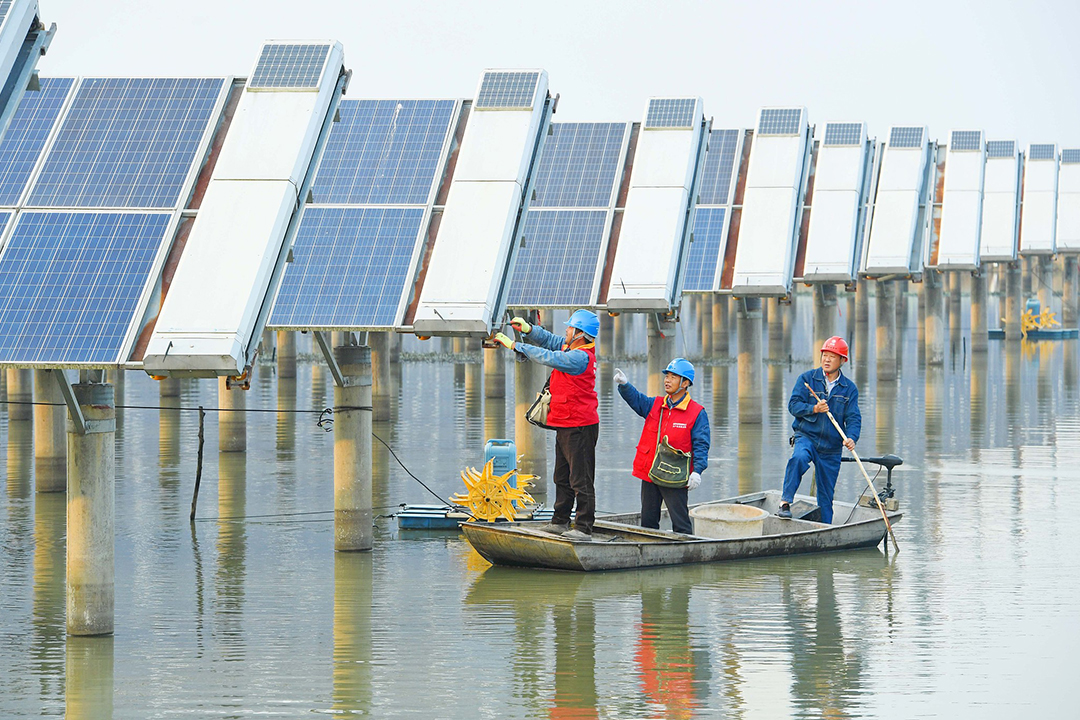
575,466
675,499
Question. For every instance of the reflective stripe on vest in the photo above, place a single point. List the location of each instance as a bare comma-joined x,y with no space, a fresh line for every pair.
678,427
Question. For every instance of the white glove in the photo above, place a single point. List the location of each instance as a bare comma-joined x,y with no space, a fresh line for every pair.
620,377
693,481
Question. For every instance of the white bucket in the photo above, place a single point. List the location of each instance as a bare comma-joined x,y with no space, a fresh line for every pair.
722,521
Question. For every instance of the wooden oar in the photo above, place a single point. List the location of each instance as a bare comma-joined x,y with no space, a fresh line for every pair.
859,463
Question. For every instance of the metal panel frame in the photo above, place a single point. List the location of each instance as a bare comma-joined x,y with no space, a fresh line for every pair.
718,272
1040,189
918,186
964,175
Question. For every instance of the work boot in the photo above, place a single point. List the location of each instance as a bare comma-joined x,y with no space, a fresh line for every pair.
554,528
576,534
784,511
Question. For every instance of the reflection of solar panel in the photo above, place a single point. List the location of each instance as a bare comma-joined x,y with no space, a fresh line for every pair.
716,177
349,268
579,165
965,140
507,90
126,142
557,258
670,113
70,284
30,127
704,254
289,66
839,134
1043,152
1070,156
906,137
1001,149
383,152
779,121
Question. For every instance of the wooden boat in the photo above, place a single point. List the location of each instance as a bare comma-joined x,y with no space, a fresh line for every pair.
618,544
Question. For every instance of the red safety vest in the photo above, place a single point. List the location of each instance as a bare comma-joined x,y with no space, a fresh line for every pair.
678,424
573,397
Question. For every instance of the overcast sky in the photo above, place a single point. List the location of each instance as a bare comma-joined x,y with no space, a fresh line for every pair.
1011,68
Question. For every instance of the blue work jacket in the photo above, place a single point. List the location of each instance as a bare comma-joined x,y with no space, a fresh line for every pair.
843,404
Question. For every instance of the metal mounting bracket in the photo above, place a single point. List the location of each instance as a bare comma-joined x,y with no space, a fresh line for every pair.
328,353
74,410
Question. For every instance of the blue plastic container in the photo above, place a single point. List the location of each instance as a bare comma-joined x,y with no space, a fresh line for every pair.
504,453
1034,306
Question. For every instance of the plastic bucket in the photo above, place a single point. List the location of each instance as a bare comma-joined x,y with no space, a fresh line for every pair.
722,521
504,454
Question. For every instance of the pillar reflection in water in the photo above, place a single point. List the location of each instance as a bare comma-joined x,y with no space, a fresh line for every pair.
749,459
777,394
88,683
285,431
20,457
381,493
231,547
169,440
978,401
319,374
721,383
575,660
474,404
666,664
885,419
494,418
352,687
1069,356
934,407
49,597
1013,358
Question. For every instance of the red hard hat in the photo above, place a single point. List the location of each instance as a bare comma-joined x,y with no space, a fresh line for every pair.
836,344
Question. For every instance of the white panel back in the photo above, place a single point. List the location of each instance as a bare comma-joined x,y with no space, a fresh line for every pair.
17,23
831,240
278,120
961,210
1001,191
893,227
1068,210
1038,219
494,146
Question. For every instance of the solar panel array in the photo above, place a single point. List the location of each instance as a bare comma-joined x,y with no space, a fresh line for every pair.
780,121
1043,152
25,138
965,140
567,225
670,113
1070,156
286,66
507,90
716,177
355,249
713,209
5,7
1001,149
906,137
840,134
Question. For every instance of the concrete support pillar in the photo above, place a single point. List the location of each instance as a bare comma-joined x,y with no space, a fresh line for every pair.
935,318
749,360
862,302
824,316
606,341
50,434
91,477
268,343
705,323
1045,281
900,288
379,343
169,388
721,346
620,326
1069,311
1013,302
1028,263
20,389
353,521
978,313
495,372
286,354
661,342
886,330
395,348
956,292
531,441
779,314
232,420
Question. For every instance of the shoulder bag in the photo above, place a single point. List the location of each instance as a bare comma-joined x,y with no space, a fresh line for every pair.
537,413
670,467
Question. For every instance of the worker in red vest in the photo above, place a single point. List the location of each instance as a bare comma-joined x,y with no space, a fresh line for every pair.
573,414
685,424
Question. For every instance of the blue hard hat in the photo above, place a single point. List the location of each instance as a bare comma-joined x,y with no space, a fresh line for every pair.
682,368
586,321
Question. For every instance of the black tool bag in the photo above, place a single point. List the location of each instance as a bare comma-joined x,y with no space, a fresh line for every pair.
670,467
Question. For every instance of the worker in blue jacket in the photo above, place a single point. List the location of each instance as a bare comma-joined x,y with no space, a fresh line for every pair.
816,440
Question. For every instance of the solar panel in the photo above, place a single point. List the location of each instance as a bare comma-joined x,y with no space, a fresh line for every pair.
557,258
704,254
1043,152
670,113
839,134
5,7
963,140
30,127
384,152
349,268
906,137
127,142
507,90
1001,149
1070,156
285,66
70,284
580,165
716,177
780,121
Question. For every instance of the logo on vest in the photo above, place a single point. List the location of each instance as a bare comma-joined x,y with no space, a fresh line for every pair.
678,425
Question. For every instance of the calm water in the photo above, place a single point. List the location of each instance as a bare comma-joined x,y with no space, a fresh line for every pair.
976,617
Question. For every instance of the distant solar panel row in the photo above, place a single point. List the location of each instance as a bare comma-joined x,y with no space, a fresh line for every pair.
5,8
290,66
964,140
906,137
1001,149
30,127
670,113
704,255
1043,152
716,177
839,134
1070,156
557,258
780,121
507,90
580,165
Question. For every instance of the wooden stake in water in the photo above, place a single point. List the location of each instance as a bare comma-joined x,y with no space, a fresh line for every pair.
198,466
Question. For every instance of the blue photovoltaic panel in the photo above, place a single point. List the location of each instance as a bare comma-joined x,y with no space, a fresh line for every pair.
1001,148
290,66
717,176
70,284
1043,152
965,140
843,134
557,258
5,7
350,267
30,127
780,121
580,165
1070,156
383,152
507,90
127,142
704,254
906,137
670,113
